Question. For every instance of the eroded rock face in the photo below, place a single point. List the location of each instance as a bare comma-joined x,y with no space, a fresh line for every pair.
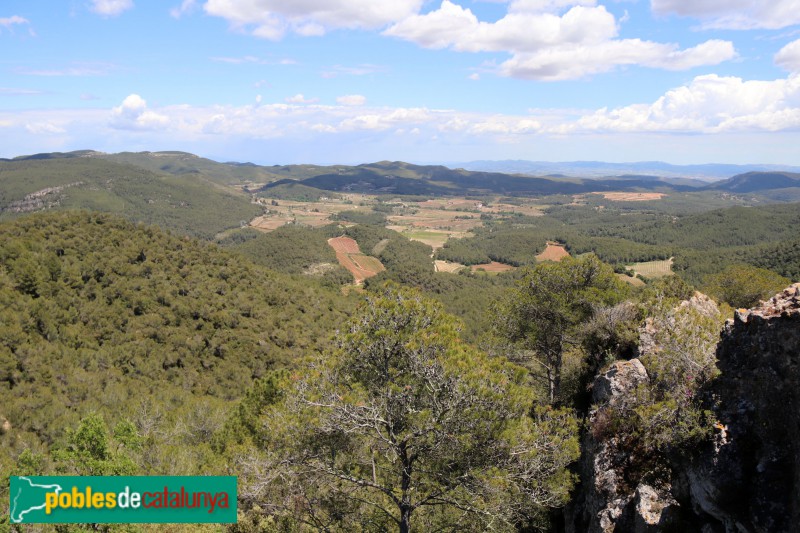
751,481
616,382
605,502
748,478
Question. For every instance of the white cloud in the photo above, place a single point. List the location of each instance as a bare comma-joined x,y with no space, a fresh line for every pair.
300,99
14,20
788,57
724,109
272,19
110,8
547,6
734,14
474,76
456,27
709,104
44,128
547,46
187,6
577,61
352,99
134,115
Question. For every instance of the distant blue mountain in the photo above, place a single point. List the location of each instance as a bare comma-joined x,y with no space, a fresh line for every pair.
600,169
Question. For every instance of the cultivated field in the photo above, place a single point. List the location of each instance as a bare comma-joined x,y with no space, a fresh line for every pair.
653,269
493,267
553,252
631,196
447,266
349,256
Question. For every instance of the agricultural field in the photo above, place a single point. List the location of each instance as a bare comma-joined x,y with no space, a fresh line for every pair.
350,257
493,268
553,252
631,196
653,269
434,239
447,266
431,222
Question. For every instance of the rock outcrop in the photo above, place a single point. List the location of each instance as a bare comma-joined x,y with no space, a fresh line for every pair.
750,481
747,479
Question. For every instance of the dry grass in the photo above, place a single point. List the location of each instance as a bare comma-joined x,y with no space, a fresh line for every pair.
447,266
636,282
653,269
265,223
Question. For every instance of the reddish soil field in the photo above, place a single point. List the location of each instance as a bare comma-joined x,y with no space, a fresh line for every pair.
494,266
344,245
553,252
360,266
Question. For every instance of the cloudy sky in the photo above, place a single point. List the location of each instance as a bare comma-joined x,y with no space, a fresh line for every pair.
352,81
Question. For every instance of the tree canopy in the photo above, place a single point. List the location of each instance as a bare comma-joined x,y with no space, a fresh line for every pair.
545,313
404,426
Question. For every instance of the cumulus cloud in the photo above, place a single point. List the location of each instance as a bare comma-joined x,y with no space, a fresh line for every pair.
110,8
709,104
576,61
134,115
546,44
352,99
734,14
789,57
272,19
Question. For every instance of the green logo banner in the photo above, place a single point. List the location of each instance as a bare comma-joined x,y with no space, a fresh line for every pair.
122,499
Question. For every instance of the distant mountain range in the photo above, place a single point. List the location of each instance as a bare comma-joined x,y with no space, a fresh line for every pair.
594,169
384,177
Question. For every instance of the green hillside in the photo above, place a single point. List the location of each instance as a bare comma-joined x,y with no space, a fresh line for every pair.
188,204
101,315
182,163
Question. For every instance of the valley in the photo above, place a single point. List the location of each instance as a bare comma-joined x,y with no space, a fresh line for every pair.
201,302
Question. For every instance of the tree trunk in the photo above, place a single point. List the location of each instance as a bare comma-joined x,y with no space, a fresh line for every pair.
405,519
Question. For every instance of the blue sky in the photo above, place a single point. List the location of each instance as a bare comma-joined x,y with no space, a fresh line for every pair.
352,81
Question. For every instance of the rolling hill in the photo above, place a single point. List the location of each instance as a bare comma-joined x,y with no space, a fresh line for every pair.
758,181
190,204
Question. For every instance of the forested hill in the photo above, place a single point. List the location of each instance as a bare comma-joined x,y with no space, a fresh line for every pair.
404,178
101,315
383,177
190,204
758,181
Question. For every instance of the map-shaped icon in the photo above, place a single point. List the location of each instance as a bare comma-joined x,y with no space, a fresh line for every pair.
28,498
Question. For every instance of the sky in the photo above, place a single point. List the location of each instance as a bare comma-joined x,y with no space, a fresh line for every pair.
441,81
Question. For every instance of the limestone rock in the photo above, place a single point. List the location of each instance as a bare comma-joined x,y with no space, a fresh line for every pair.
621,378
